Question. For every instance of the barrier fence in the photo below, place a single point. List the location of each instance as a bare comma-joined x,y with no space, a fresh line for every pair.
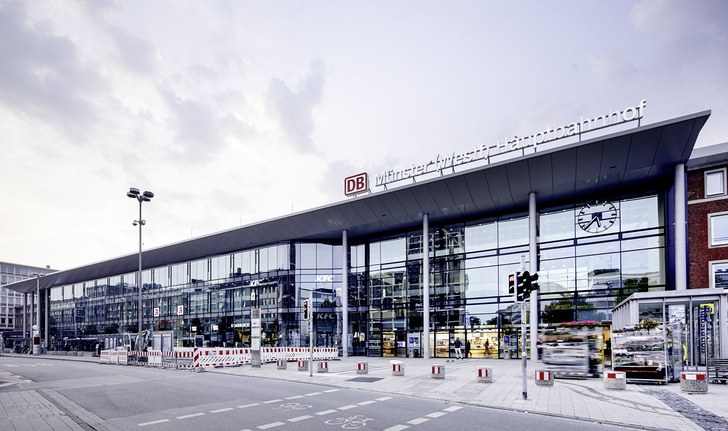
202,357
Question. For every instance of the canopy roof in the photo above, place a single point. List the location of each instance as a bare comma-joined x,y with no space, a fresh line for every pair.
643,157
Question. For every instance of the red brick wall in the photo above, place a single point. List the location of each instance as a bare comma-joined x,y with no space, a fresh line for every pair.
699,252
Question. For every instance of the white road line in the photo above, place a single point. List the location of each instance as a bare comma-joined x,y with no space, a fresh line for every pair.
194,415
331,390
154,422
272,401
248,405
270,425
397,428
417,421
350,406
313,393
384,398
436,415
295,398
300,418
326,412
453,409
366,403
221,410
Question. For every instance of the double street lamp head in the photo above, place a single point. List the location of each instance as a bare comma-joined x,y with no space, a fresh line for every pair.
134,193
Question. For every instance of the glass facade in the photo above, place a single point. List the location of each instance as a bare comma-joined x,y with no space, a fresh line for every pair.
585,269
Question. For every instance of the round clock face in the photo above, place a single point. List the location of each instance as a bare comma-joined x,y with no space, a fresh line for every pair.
597,217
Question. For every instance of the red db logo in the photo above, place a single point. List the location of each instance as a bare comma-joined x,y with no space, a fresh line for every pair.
356,184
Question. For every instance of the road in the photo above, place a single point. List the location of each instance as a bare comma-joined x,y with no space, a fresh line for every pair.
130,398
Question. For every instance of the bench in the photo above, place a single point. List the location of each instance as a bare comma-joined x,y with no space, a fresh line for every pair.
718,370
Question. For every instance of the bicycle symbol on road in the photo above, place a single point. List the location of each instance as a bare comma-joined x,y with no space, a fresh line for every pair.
350,423
292,406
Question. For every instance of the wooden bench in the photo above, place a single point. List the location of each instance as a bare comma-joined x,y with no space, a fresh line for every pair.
718,370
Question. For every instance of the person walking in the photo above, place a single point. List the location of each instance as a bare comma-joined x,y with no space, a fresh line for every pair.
458,352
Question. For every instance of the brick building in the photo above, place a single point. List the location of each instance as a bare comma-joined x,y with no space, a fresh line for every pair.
708,217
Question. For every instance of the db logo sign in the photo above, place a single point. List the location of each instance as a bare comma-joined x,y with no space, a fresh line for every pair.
356,184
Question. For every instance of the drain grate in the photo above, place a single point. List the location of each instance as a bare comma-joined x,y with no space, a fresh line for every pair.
366,379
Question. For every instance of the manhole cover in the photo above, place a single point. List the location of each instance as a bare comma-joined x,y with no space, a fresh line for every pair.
365,379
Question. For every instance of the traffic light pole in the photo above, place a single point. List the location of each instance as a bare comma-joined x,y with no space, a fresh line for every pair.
524,363
310,334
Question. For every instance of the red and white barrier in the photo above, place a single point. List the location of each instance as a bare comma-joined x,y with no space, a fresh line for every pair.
438,372
397,368
104,358
484,375
362,368
544,378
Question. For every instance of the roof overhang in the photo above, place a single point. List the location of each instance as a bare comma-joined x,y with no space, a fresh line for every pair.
642,156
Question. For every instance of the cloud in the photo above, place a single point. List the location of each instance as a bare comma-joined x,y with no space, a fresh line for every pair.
137,54
294,110
44,75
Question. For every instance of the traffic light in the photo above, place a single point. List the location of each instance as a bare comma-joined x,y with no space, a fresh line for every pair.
512,282
305,310
525,284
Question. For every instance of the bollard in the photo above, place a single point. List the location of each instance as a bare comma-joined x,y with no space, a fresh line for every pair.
438,372
302,365
484,375
544,378
397,368
282,364
693,382
362,368
615,380
322,367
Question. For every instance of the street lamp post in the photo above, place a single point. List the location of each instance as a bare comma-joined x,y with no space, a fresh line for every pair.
141,197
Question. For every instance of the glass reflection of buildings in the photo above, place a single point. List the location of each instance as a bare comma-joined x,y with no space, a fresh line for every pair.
582,276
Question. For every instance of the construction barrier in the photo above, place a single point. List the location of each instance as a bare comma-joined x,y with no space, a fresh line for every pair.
302,365
397,368
322,367
615,380
438,371
362,368
484,375
693,382
544,378
199,357
282,364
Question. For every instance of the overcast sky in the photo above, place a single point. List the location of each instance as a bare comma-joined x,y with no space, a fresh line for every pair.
233,112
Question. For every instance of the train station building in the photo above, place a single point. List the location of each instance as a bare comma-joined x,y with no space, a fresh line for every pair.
599,216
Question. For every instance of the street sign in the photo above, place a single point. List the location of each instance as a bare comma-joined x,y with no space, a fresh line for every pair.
507,339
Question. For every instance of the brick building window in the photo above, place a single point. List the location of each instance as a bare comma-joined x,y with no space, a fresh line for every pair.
715,184
718,227
719,274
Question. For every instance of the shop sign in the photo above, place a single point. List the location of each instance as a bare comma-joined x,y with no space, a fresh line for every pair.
483,152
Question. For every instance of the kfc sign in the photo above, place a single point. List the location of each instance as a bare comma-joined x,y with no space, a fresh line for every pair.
356,184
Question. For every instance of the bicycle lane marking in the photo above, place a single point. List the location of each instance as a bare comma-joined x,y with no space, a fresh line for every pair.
421,420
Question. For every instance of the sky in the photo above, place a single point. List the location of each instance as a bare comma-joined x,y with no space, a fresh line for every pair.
234,112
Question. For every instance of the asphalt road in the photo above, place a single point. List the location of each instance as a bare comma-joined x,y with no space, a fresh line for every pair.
131,398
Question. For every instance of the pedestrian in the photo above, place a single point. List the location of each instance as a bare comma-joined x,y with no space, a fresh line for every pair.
458,352
487,347
468,353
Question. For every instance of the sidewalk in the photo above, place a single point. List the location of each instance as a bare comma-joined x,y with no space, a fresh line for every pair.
647,406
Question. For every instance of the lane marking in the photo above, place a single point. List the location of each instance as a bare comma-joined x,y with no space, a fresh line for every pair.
194,415
453,409
397,428
366,403
350,406
161,421
326,412
313,393
272,401
248,405
300,418
270,425
221,410
417,421
436,415
295,398
384,398
331,390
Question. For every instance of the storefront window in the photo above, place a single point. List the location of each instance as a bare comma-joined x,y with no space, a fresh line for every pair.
555,226
512,232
